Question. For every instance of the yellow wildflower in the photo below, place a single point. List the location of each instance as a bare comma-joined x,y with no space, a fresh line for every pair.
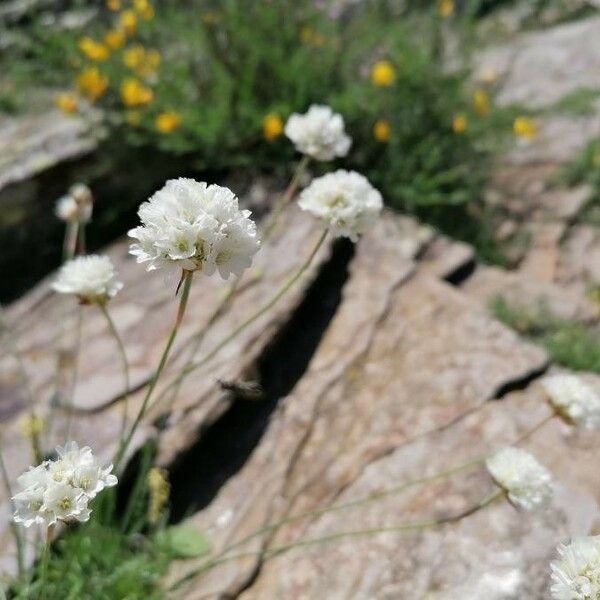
446,8
272,126
113,4
144,9
383,73
32,425
143,62
114,38
459,123
92,49
133,93
134,56
211,17
525,128
382,130
66,102
167,121
481,102
92,83
133,117
128,21
160,490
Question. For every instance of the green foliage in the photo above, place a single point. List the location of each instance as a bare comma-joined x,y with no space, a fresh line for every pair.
97,562
568,343
183,542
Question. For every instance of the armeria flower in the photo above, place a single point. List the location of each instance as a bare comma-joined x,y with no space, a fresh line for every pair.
76,205
91,278
59,490
195,226
574,400
526,482
576,575
345,200
319,133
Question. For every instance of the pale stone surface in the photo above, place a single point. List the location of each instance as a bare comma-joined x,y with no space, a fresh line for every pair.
404,356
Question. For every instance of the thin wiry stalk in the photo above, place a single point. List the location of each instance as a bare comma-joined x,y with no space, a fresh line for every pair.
268,553
124,363
253,317
74,374
187,283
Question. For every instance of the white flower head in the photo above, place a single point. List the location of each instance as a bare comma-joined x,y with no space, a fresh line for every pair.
319,133
344,200
528,484
194,226
576,575
60,489
77,205
91,278
574,400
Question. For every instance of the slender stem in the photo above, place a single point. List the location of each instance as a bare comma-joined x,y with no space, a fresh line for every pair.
75,358
81,239
26,383
124,362
400,528
70,242
254,316
187,283
46,561
285,198
14,526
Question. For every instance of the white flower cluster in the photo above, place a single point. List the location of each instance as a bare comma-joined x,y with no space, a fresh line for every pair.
192,225
77,205
574,400
60,490
319,133
576,575
527,483
345,200
91,278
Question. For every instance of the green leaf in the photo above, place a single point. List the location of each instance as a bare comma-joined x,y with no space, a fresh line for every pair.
184,542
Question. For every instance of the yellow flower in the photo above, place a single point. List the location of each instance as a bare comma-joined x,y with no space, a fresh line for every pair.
153,58
114,38
128,21
113,4
272,126
525,128
32,425
211,17
481,102
167,121
67,103
134,56
158,485
382,130
133,117
144,9
446,8
92,83
459,123
133,93
143,61
92,49
383,73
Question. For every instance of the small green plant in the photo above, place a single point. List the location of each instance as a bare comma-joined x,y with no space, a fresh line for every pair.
568,343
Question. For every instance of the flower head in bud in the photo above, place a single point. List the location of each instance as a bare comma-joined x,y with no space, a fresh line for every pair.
344,200
195,226
91,278
576,575
526,482
59,490
158,485
574,400
319,133
77,205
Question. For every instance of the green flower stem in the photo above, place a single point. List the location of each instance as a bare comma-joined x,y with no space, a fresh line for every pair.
286,198
71,395
187,283
17,533
45,562
124,362
253,317
25,381
268,553
70,241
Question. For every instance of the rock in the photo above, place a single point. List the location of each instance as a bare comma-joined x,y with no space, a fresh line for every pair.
578,265
406,355
518,289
